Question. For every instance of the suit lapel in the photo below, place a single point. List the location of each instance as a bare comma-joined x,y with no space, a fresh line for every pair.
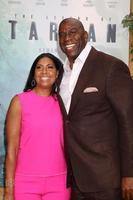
62,106
83,79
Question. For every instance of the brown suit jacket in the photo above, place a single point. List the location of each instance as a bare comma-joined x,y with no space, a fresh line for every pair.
99,125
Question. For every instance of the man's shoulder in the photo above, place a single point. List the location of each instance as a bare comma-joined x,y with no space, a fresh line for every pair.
104,57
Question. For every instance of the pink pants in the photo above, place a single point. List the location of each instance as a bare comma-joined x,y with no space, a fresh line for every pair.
41,188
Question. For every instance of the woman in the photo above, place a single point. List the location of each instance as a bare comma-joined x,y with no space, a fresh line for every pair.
35,163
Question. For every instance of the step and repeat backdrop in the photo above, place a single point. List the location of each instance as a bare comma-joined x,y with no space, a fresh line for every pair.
29,28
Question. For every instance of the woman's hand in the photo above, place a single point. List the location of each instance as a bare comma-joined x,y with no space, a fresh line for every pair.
8,194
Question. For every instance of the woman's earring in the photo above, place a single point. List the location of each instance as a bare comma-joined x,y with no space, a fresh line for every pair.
33,83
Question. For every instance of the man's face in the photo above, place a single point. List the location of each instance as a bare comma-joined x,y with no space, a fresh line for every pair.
72,38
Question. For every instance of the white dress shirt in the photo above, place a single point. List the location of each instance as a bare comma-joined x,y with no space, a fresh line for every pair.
70,76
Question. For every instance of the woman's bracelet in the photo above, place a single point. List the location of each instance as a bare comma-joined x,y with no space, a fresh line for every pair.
9,183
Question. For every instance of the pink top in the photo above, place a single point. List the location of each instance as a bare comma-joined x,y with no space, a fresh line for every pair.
41,150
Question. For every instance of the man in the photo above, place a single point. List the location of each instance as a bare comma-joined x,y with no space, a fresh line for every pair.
97,92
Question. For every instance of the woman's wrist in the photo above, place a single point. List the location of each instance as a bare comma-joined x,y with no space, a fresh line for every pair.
9,183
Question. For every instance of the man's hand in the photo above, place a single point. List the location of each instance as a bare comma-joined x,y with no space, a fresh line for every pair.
127,188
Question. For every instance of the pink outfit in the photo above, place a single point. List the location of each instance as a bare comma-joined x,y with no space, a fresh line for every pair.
41,153
41,188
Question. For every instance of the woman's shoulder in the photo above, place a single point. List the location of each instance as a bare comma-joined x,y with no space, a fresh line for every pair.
14,103
22,97
24,94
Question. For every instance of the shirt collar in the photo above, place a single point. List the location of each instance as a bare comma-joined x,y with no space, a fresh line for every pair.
81,58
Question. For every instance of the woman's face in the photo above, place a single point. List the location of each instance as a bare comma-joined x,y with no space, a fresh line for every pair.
45,73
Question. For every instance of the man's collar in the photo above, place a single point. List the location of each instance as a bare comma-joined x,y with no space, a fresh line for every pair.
82,57
84,53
